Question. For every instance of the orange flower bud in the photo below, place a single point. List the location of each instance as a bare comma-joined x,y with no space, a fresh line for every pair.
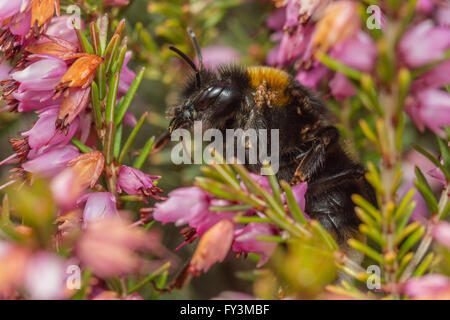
88,167
60,48
212,247
72,104
81,72
42,11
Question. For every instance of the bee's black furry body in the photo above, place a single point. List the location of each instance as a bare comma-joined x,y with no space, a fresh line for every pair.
266,98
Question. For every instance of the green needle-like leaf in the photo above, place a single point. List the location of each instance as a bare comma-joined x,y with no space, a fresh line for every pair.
95,101
80,145
129,97
112,96
132,136
425,190
293,206
144,153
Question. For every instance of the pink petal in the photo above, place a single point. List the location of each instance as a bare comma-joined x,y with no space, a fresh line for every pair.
426,285
45,276
185,205
51,162
424,43
44,132
341,87
41,75
245,241
441,233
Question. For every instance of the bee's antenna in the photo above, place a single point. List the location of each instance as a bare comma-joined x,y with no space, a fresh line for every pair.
189,62
196,47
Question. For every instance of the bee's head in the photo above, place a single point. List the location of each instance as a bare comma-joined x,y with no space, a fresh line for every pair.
214,103
208,96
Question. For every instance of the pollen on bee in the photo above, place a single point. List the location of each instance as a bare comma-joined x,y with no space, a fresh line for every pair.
273,81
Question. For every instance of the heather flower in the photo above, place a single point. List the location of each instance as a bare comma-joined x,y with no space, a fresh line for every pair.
126,75
361,43
17,29
41,75
441,233
99,205
83,171
81,72
213,247
52,161
12,7
340,85
108,247
41,13
424,43
59,48
431,109
88,168
211,218
339,22
62,28
427,286
66,188
311,78
45,133
437,77
245,241
73,103
184,206
45,276
295,45
15,22
32,100
21,148
135,182
292,13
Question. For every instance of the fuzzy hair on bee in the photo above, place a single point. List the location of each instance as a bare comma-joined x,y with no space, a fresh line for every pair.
239,97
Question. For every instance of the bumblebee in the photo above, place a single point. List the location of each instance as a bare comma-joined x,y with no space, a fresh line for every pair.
260,97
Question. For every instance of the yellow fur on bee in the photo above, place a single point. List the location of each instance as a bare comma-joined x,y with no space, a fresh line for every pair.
276,81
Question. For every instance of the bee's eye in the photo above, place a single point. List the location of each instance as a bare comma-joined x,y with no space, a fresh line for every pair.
208,97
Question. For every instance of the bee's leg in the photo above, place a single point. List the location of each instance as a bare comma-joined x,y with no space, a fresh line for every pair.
312,161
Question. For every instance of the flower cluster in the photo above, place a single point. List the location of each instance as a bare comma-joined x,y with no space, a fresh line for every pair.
309,33
57,74
219,232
